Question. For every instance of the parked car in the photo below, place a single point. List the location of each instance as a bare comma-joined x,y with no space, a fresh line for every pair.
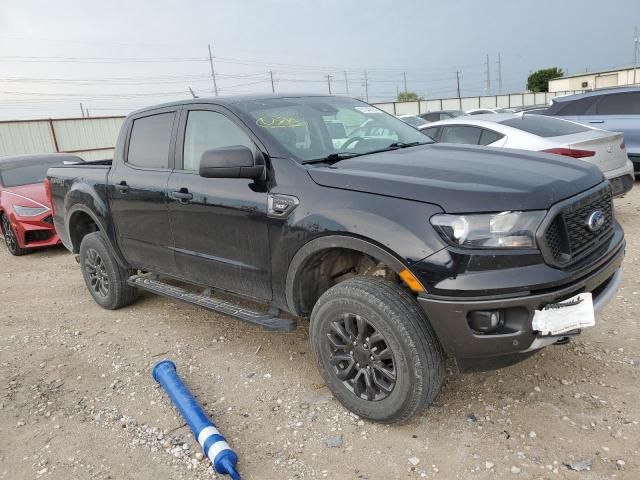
413,120
25,213
543,134
388,247
537,109
487,111
441,115
614,109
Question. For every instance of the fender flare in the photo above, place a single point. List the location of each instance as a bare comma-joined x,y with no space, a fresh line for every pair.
101,225
334,241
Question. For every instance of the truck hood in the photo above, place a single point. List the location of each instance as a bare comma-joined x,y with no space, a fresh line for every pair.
464,179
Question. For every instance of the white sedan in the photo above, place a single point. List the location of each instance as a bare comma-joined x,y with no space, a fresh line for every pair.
544,134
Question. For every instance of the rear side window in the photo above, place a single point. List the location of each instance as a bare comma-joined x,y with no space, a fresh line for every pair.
431,117
619,104
544,126
489,136
572,107
461,134
149,143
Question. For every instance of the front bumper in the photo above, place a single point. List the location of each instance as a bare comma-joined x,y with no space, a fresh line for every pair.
448,315
35,232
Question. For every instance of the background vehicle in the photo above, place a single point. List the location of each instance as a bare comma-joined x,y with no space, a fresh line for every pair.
544,134
441,115
614,109
486,111
25,213
537,109
412,120
387,244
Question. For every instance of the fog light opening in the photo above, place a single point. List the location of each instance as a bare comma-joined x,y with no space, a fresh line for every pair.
485,321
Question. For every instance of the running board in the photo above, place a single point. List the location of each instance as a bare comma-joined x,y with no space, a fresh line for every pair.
266,320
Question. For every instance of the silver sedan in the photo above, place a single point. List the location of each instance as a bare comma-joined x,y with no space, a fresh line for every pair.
544,134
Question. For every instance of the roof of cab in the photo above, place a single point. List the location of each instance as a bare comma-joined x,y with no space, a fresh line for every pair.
229,100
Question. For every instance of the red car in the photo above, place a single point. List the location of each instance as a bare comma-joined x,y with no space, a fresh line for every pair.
26,220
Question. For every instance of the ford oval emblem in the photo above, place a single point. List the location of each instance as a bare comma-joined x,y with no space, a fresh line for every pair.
595,221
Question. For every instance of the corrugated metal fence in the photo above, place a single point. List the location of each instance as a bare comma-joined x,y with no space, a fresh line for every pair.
90,138
95,138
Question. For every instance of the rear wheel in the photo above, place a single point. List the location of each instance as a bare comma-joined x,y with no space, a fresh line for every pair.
376,349
106,280
10,238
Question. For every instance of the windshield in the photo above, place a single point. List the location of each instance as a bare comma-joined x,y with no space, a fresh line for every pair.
16,174
414,121
543,126
314,128
456,113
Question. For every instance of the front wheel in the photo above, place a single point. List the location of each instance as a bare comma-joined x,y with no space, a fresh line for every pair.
11,238
106,280
376,350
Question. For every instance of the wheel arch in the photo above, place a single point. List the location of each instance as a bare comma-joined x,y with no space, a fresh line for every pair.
300,302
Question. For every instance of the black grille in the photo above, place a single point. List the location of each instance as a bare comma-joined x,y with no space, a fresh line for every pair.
33,236
568,238
48,219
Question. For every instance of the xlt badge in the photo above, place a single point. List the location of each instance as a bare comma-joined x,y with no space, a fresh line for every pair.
280,206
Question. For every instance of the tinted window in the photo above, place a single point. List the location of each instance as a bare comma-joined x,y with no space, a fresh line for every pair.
543,126
460,134
23,172
209,130
431,117
431,132
149,143
572,107
489,136
619,104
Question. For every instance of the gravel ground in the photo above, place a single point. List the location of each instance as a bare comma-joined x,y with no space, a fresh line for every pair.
79,401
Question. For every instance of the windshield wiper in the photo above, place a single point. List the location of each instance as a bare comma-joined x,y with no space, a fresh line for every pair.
334,157
406,145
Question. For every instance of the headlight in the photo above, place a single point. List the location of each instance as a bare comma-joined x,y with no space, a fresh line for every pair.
493,230
29,211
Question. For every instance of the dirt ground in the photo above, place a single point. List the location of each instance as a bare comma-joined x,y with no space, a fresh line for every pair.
78,400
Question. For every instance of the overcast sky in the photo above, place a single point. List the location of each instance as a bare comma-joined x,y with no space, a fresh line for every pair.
115,56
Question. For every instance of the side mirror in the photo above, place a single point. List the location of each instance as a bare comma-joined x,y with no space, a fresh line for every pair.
231,162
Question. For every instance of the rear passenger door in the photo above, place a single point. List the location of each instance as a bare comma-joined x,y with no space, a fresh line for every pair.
138,191
619,112
219,224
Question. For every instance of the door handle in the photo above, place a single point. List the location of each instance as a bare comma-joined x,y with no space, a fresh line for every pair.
596,121
122,187
182,195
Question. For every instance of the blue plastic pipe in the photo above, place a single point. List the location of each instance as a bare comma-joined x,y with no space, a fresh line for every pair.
214,445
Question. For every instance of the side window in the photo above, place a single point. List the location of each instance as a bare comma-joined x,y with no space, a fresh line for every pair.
619,104
574,107
149,142
432,117
207,130
431,132
489,136
461,134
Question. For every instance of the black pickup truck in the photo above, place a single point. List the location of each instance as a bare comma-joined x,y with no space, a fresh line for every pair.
401,253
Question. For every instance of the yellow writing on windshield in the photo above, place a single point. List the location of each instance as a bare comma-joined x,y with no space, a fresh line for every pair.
280,122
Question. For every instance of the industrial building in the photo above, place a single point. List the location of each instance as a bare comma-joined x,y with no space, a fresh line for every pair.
597,79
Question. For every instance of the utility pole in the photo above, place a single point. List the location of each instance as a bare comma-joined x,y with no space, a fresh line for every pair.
273,87
82,110
458,79
488,87
636,45
405,81
213,72
329,83
346,82
499,75
366,87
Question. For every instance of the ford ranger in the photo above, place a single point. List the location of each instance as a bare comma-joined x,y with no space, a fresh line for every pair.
400,253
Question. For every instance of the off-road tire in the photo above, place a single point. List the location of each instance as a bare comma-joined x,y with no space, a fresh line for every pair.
98,263
418,358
